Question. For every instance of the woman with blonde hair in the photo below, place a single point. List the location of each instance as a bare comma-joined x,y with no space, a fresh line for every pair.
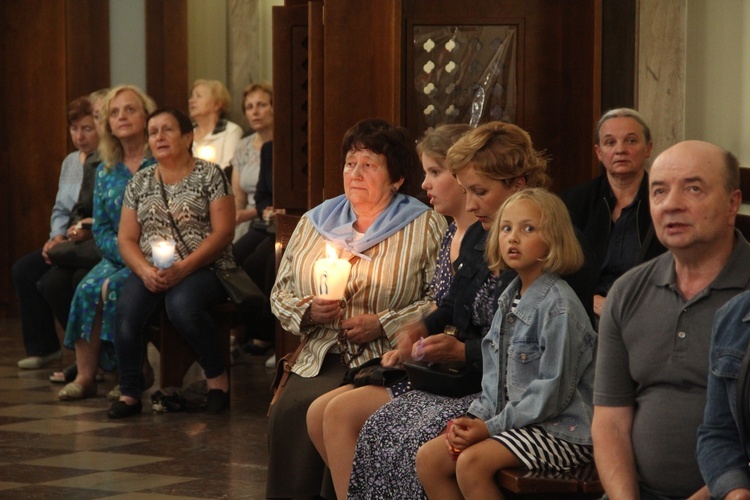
215,137
123,150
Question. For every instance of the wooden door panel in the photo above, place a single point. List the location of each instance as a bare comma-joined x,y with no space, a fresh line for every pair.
290,107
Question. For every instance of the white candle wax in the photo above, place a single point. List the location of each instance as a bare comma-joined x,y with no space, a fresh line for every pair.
331,275
162,252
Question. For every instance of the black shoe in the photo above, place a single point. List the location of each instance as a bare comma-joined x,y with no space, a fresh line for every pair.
120,409
257,347
217,401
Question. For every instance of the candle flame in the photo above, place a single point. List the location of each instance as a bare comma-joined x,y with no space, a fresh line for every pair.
331,252
207,153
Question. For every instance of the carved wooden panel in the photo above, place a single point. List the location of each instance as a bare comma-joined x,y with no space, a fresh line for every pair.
290,75
316,93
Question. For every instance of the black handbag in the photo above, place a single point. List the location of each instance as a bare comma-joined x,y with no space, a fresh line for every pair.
239,287
373,373
81,255
449,379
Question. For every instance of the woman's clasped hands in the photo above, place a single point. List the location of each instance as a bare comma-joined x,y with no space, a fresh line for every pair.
160,280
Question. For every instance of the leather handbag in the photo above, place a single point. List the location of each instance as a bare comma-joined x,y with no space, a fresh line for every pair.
240,288
450,379
81,255
373,373
282,373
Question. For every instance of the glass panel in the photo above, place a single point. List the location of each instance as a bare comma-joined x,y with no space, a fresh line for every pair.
465,74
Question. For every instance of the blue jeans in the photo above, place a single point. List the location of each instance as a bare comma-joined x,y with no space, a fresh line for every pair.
187,304
37,321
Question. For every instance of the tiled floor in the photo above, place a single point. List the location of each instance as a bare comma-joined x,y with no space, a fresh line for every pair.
53,449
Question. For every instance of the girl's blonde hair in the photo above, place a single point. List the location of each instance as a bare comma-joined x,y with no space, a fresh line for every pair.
436,142
502,152
564,255
219,93
110,147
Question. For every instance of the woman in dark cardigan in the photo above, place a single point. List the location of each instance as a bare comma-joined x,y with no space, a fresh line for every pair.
612,210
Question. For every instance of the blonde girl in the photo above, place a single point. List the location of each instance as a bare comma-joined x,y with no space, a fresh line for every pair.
536,402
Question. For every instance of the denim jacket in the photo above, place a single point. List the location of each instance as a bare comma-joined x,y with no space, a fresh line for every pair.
544,355
722,459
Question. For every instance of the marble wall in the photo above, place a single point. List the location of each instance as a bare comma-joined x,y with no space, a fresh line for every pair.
660,86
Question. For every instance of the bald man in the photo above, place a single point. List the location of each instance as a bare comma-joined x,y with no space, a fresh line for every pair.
655,329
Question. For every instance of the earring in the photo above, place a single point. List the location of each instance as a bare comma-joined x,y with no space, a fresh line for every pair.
394,190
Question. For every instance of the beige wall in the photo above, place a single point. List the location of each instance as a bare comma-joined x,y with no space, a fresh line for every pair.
717,104
691,69
230,41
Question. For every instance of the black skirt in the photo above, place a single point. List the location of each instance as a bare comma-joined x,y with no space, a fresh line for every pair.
295,468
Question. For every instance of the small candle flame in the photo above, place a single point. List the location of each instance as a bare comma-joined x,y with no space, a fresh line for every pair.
207,153
331,252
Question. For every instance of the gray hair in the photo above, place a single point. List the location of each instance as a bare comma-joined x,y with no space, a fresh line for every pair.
623,113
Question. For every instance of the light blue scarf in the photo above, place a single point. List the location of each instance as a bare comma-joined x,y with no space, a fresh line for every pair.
334,219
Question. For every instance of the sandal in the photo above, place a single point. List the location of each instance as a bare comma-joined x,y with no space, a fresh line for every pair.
74,391
70,373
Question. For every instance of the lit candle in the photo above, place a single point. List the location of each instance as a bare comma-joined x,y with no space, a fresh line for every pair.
331,275
207,153
162,251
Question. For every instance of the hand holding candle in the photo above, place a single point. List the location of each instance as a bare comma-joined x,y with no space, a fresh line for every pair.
331,275
162,252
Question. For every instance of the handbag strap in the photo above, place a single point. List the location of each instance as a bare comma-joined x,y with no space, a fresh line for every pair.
743,386
290,360
175,229
293,357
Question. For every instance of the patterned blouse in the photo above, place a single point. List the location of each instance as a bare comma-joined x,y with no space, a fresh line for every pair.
247,163
441,282
394,285
188,200
484,308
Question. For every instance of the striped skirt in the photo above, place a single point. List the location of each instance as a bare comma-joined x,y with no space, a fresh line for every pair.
535,448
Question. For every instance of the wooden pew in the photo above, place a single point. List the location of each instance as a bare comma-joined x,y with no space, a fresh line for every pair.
582,482
175,354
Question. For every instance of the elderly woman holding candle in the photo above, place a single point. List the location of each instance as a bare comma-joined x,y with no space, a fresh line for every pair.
177,224
215,138
123,151
391,241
